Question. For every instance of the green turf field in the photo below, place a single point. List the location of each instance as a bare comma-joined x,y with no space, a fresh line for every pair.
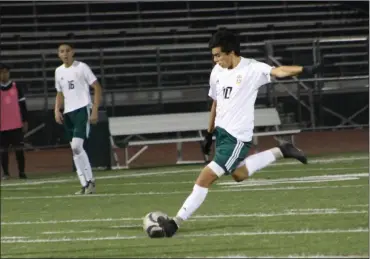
288,209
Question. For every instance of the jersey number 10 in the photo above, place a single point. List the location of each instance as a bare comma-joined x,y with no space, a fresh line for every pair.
71,85
227,92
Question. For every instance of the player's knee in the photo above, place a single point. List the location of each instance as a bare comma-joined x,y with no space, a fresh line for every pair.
77,147
240,174
206,177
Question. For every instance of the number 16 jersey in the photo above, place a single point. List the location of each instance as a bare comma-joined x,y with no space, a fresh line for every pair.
74,82
235,91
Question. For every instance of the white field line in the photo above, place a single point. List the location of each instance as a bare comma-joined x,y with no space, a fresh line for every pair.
313,210
324,160
303,179
358,205
336,160
329,211
67,232
288,213
263,183
285,188
205,235
250,182
128,226
307,231
287,256
73,179
225,184
268,170
12,237
10,188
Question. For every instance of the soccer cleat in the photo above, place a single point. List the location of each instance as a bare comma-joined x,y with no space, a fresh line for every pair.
5,177
82,191
290,151
169,226
90,189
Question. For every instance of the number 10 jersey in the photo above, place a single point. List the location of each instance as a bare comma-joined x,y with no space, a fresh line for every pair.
235,91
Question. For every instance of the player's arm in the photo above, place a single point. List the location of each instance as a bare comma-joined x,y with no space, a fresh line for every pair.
94,83
288,71
22,103
59,100
23,108
207,142
212,116
97,95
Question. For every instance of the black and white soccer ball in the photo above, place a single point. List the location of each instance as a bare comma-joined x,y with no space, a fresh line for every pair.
151,226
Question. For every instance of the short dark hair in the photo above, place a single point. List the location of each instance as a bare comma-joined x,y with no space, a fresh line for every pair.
226,40
66,43
4,66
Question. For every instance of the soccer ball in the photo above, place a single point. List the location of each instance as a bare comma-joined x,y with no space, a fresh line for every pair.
150,224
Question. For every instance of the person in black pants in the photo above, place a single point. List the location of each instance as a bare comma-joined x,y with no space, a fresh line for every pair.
13,122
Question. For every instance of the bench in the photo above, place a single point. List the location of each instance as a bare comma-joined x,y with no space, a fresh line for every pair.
196,122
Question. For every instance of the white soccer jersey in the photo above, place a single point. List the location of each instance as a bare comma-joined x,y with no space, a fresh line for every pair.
74,82
235,91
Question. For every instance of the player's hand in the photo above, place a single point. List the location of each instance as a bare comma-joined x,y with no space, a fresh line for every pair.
313,69
58,117
207,143
94,117
25,126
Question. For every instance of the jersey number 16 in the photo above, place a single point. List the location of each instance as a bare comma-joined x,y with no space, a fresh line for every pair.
71,85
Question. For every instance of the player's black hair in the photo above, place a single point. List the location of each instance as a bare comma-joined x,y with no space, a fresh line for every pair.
4,66
226,40
67,43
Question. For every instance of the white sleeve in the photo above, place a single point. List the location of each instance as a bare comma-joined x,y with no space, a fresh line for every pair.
265,71
89,75
212,89
57,84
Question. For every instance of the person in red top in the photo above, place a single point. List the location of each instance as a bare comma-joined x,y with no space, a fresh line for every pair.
13,121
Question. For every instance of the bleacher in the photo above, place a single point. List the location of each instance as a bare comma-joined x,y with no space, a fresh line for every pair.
146,45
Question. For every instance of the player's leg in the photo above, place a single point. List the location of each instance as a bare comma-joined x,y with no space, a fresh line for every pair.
4,150
81,133
256,162
5,164
18,144
77,149
227,156
69,128
192,202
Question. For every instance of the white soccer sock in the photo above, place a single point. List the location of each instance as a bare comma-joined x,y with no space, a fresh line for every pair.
192,203
78,150
87,167
258,161
79,166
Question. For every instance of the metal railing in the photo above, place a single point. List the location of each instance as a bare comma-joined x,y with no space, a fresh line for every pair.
298,87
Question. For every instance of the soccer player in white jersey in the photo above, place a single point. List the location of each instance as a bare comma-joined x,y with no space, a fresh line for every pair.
234,84
73,80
